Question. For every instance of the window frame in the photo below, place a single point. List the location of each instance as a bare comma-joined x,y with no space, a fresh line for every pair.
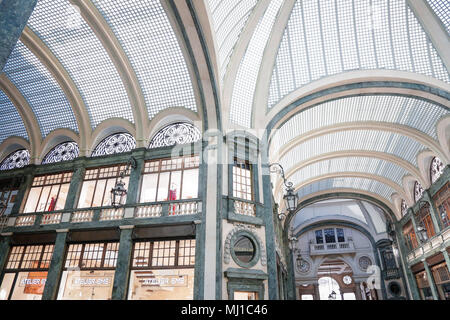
238,163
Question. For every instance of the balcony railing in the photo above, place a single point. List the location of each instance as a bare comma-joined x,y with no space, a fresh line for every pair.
244,208
138,211
431,244
328,248
389,274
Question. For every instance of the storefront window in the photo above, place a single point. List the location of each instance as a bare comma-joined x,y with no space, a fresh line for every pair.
242,180
89,271
441,277
162,270
442,202
97,185
48,193
26,272
424,286
170,179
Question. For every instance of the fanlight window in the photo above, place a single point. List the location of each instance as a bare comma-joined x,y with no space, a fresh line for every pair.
62,152
115,143
175,133
436,169
404,208
17,159
418,191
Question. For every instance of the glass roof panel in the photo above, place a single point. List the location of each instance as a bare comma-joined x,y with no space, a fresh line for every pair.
348,183
412,112
328,37
245,83
146,35
11,124
368,165
381,141
40,89
61,27
229,18
442,9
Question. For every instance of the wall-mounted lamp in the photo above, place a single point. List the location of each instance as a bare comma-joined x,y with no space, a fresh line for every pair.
119,193
290,198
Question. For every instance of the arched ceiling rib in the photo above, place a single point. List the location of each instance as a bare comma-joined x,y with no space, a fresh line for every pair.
323,38
60,26
229,18
442,10
40,89
411,112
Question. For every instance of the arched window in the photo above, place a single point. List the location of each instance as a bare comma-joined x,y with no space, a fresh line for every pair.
418,191
17,159
115,143
62,152
436,169
175,133
404,208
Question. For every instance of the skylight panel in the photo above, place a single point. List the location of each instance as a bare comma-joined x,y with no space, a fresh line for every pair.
40,89
61,27
147,37
245,83
442,9
344,35
11,124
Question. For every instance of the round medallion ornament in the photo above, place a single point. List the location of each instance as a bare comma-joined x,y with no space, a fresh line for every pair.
244,249
364,262
303,266
175,133
62,152
347,279
17,159
115,143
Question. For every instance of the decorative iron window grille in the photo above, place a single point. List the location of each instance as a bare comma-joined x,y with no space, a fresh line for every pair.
175,133
62,152
404,208
17,159
115,143
436,169
418,191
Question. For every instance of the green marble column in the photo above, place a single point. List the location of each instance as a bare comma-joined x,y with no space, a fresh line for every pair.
447,258
123,263
5,243
24,187
135,177
56,266
431,280
75,184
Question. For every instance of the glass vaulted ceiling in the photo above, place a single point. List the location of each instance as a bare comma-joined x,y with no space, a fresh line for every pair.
229,18
146,35
442,10
60,26
326,37
11,124
40,89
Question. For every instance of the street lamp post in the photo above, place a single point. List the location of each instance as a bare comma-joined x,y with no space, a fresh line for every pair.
290,198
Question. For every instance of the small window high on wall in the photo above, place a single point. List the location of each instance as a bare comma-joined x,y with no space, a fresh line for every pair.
26,272
97,185
48,192
242,179
170,179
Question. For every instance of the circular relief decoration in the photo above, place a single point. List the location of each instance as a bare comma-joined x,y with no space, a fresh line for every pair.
347,279
62,152
176,133
394,288
115,143
364,262
244,249
303,266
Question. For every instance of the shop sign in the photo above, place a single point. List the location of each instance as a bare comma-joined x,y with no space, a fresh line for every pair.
34,282
164,281
92,281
